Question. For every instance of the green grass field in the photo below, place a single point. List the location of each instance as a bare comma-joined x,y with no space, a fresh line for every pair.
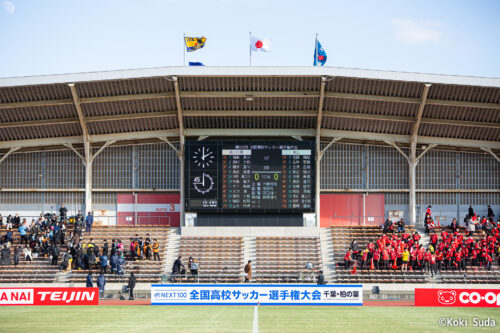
236,319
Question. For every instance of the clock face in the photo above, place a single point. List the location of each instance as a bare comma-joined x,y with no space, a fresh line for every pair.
203,184
203,157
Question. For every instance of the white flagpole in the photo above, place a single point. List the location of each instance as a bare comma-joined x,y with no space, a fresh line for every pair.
316,51
184,48
250,48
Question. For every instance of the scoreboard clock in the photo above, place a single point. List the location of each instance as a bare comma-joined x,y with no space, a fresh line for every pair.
250,176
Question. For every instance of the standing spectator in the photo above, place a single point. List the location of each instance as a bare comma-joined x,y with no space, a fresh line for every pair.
55,254
88,222
104,263
114,263
120,265
355,249
101,284
23,233
131,285
90,283
156,250
321,279
65,264
490,213
471,211
17,255
62,213
177,268
248,271
16,221
105,248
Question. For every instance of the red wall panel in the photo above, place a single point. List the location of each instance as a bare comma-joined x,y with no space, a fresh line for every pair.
152,209
347,209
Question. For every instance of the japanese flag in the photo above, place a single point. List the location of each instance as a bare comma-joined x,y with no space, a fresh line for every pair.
260,44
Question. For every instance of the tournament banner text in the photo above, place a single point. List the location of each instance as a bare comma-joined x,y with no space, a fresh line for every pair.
258,294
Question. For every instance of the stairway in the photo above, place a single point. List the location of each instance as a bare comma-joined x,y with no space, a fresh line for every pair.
327,257
249,250
172,251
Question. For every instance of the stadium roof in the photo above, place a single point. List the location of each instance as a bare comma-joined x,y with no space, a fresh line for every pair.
146,104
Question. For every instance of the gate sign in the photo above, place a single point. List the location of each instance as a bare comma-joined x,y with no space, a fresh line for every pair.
457,297
250,294
49,296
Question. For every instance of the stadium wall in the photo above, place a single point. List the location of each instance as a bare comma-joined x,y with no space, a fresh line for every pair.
449,181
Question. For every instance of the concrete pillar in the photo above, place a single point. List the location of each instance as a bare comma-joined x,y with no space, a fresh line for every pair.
182,190
412,194
88,177
318,181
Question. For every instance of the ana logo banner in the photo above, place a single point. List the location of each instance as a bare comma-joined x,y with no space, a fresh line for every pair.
49,296
457,297
238,294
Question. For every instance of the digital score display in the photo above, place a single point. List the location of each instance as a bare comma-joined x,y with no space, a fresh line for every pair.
264,177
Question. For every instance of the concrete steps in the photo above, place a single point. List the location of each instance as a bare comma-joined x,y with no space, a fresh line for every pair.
172,251
327,258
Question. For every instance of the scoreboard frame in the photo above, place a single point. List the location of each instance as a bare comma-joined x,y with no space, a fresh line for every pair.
203,174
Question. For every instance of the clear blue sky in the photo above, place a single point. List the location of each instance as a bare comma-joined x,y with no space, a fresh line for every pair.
432,36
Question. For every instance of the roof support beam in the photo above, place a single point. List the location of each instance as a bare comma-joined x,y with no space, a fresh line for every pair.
318,149
245,94
393,99
249,132
249,113
166,140
11,150
180,154
488,150
141,115
412,158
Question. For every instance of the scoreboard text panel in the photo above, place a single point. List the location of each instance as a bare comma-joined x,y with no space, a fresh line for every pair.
250,176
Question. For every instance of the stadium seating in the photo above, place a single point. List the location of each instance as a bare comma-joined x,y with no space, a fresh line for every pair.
145,270
220,259
342,237
40,271
283,259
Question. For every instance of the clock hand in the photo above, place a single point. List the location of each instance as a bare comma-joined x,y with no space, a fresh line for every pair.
207,155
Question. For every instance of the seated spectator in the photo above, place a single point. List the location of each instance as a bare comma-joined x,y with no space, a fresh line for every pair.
401,226
27,254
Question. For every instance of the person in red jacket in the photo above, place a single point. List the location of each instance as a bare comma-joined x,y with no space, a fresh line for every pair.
348,259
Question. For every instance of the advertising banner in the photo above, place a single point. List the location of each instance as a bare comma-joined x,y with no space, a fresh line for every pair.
250,294
49,296
458,297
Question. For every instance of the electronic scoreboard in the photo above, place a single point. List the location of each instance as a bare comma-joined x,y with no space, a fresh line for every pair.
250,176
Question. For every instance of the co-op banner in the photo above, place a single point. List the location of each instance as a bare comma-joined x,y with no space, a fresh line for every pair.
249,294
457,297
49,296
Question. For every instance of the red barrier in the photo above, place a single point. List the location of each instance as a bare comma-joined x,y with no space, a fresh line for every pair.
478,298
49,296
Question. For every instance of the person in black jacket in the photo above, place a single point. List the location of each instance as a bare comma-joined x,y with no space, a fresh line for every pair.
55,254
62,212
321,279
471,211
105,248
131,285
490,213
177,268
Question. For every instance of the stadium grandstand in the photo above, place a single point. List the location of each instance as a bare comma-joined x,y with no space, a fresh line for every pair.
134,149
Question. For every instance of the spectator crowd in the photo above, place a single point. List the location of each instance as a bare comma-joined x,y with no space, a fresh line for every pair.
451,248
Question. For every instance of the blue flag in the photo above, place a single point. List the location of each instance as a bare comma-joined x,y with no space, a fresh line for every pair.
192,63
319,55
